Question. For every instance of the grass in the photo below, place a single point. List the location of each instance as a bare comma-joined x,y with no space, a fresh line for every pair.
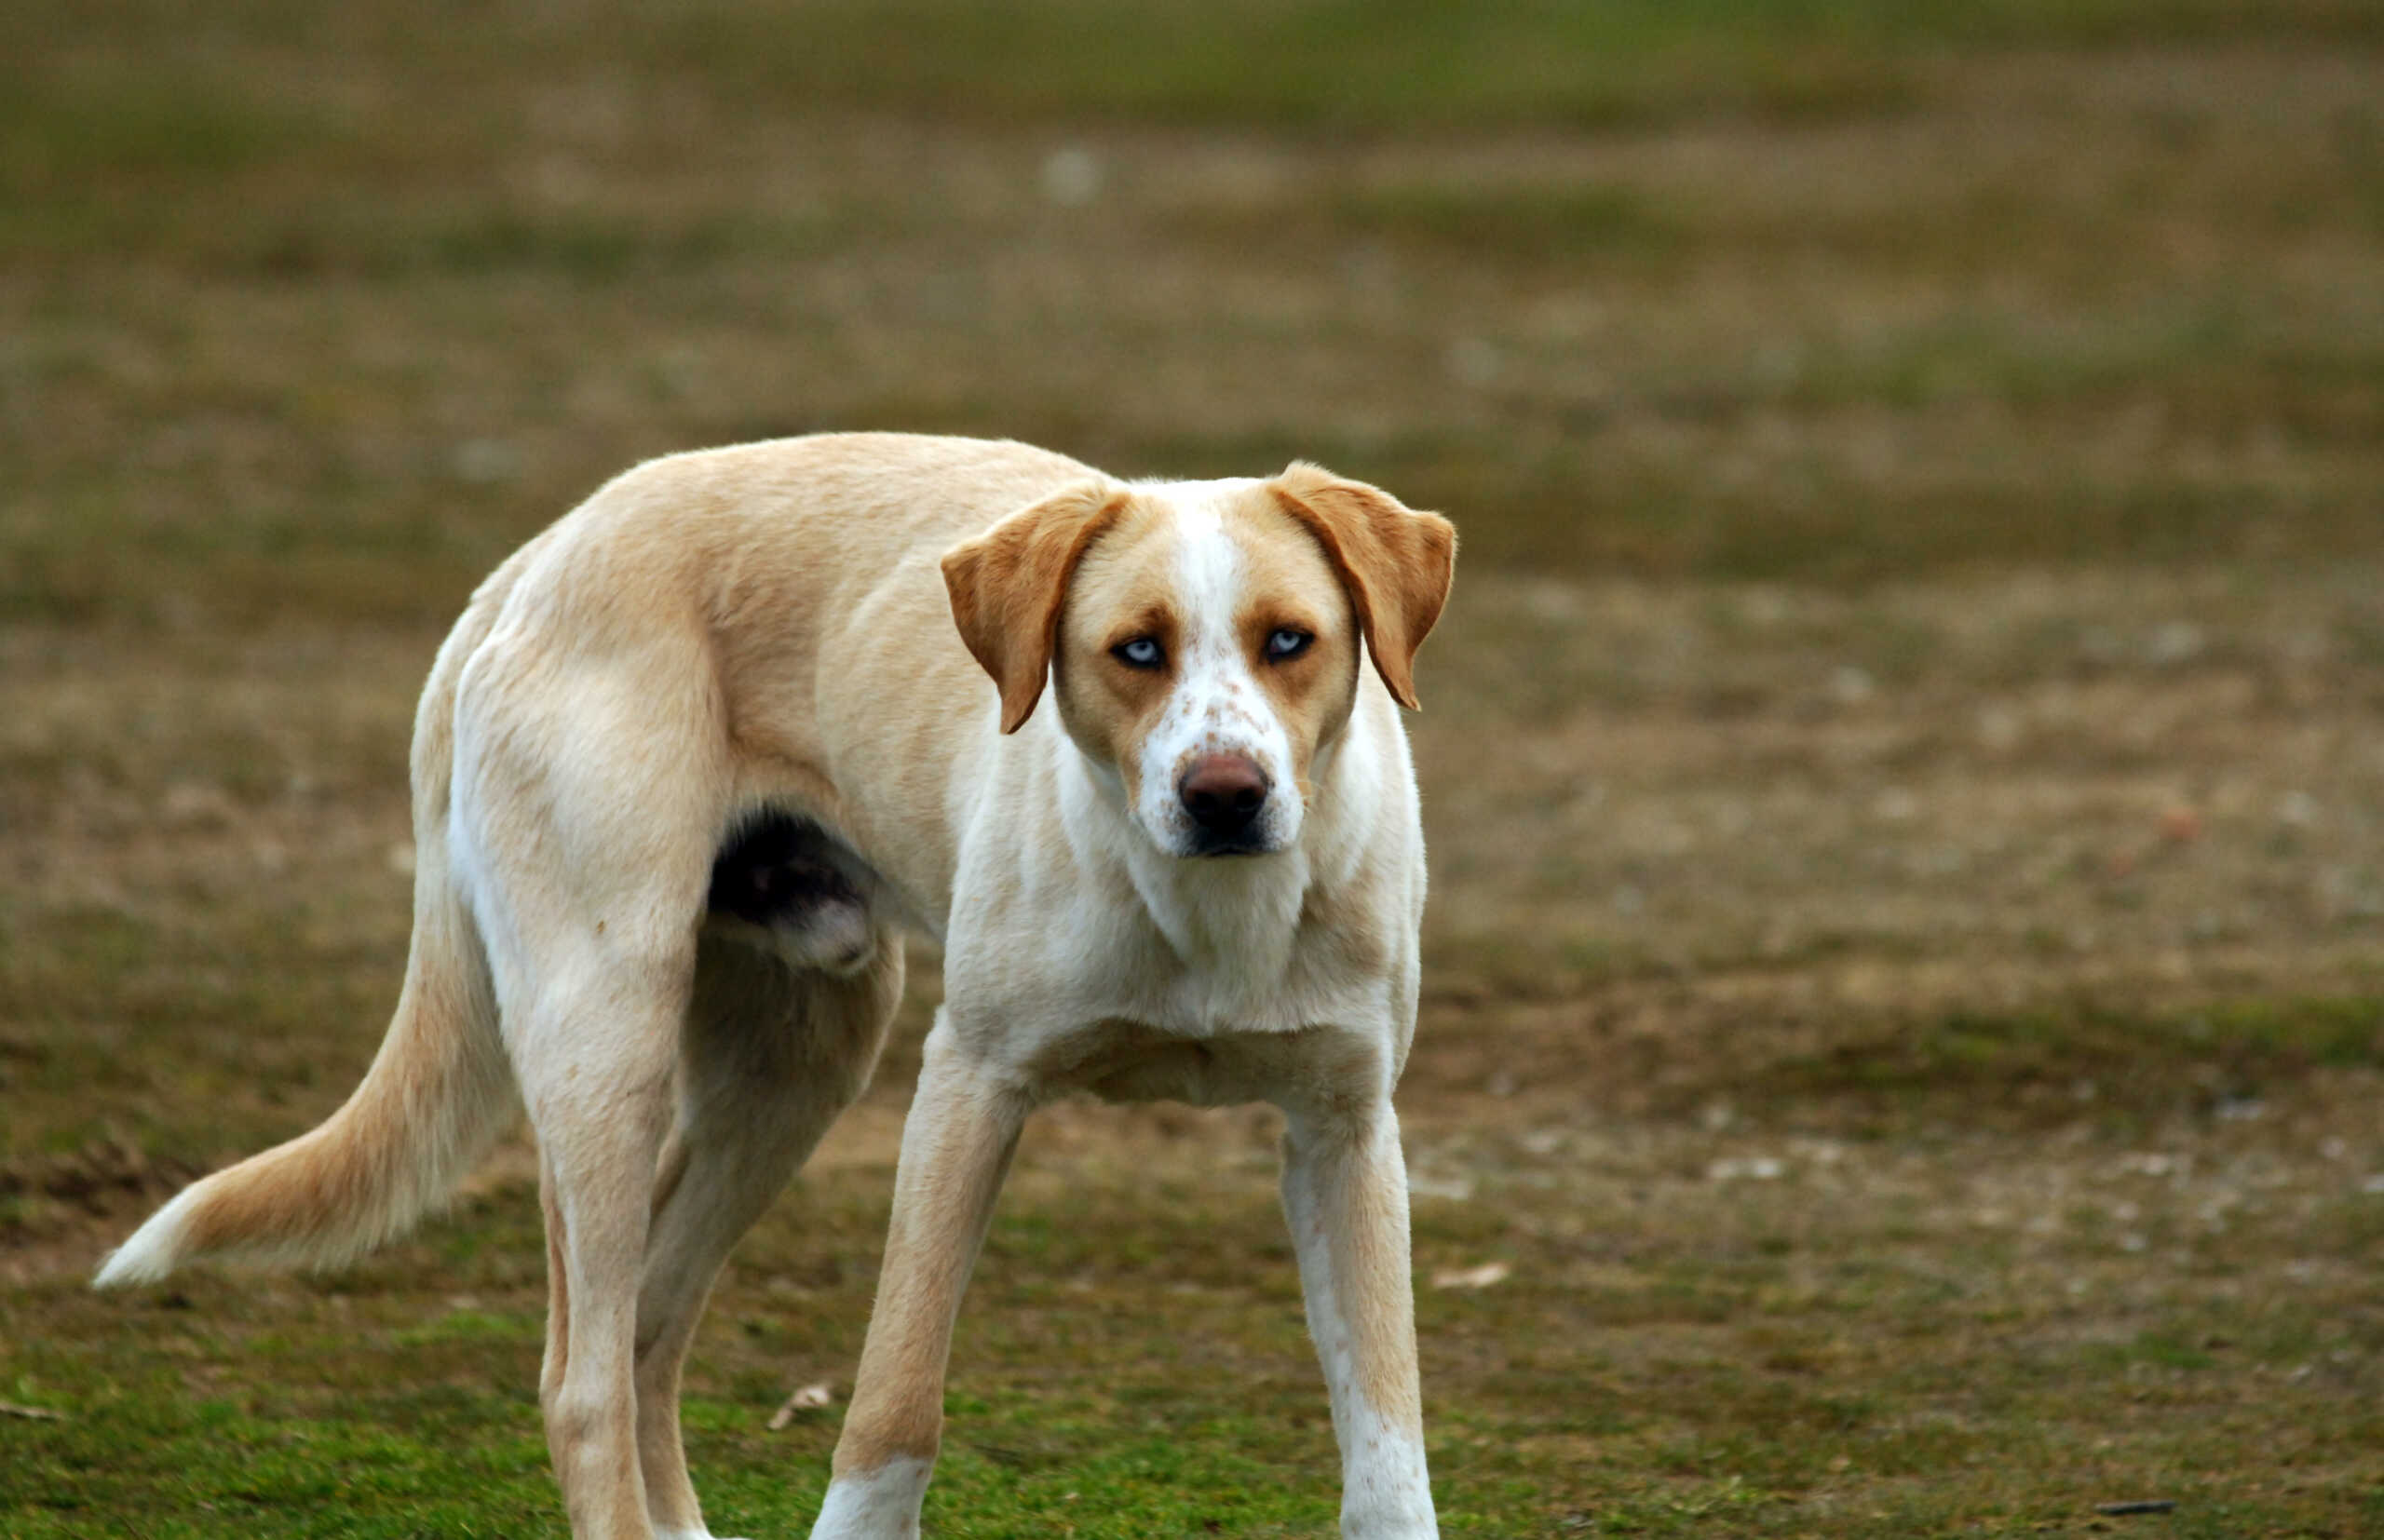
1757,1355
1902,999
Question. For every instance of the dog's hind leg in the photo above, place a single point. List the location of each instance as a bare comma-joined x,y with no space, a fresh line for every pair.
590,789
768,1057
599,1106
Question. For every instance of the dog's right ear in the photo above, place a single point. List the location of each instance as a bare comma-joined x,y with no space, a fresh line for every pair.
1006,585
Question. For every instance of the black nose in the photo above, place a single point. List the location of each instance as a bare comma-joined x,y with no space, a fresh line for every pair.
1222,792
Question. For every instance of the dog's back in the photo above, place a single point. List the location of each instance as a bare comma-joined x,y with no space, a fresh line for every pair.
440,1091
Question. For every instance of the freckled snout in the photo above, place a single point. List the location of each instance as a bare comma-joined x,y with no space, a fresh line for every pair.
1222,793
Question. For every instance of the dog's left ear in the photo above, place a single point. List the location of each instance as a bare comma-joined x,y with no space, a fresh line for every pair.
1396,562
1006,585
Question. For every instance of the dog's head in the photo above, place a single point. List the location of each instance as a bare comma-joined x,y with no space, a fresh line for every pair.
1202,638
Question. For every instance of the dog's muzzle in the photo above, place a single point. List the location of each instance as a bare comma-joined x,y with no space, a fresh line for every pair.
1224,794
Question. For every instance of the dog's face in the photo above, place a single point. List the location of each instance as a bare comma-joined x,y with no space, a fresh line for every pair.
1203,638
1206,650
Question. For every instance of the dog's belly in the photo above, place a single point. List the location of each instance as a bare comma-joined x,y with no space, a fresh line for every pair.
1120,1061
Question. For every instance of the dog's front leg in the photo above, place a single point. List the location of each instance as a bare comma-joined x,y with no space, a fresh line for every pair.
1344,1193
956,1145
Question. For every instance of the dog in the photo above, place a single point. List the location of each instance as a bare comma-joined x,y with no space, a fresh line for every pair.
698,755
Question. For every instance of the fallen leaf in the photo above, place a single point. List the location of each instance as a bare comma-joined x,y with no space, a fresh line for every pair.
811,1398
1471,1278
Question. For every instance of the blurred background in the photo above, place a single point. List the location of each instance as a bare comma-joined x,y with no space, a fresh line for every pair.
1905,766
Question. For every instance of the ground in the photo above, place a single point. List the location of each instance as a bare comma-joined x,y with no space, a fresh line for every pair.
1904,1015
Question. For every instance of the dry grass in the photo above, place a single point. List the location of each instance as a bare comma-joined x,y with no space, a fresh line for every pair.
1906,984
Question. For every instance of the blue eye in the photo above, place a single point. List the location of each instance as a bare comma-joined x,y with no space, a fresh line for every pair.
1141,653
1287,641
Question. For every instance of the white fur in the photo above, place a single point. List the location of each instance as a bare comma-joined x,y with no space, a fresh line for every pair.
1385,1490
1217,707
877,1505
153,1249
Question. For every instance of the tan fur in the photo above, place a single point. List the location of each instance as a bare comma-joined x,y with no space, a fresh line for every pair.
1006,585
1116,596
1396,561
806,628
955,1154
1312,694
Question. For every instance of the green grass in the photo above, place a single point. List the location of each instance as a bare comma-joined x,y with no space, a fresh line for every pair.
1728,1377
1336,62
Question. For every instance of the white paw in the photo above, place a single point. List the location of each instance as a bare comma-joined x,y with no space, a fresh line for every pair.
877,1505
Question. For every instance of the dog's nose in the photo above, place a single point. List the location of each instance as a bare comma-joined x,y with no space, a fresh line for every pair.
1222,792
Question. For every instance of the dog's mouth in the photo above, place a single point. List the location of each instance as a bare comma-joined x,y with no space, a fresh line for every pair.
1207,845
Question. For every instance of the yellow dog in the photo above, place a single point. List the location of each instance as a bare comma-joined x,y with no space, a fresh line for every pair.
695,756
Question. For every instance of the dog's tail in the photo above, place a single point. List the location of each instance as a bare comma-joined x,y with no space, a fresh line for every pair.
437,1095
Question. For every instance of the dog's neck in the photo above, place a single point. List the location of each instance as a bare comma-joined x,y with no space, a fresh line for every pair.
1235,917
